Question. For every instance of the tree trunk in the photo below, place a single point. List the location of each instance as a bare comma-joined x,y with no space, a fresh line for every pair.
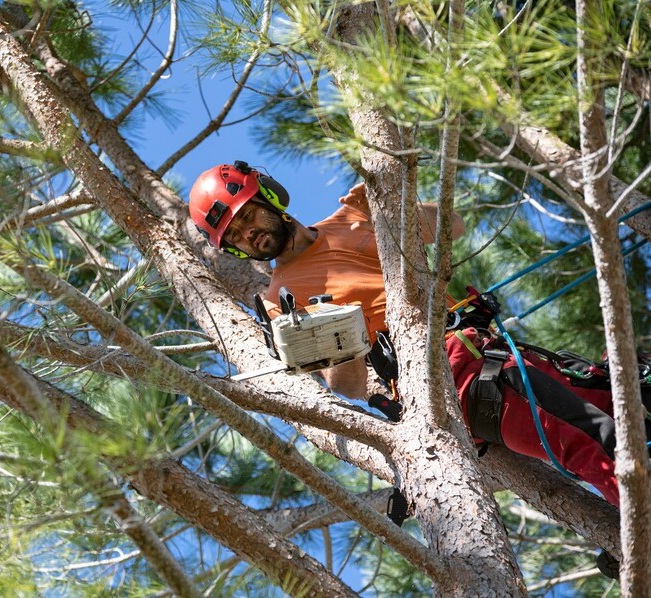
435,466
632,458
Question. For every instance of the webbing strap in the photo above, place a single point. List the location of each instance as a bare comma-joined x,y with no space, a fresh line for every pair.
485,402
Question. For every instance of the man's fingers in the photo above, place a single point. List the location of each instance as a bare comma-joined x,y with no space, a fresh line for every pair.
355,195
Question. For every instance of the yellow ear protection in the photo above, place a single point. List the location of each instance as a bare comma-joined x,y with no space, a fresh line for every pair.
270,189
234,251
273,192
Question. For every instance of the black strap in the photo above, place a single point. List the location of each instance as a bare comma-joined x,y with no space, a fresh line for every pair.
392,409
265,323
485,401
397,508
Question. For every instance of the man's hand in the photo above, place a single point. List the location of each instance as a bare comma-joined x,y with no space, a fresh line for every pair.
356,198
348,378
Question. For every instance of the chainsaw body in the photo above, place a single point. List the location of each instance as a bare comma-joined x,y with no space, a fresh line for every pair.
315,337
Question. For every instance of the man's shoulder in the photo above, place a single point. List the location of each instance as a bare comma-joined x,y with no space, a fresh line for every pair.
343,215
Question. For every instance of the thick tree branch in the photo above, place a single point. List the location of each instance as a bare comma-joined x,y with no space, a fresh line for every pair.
332,414
437,312
632,458
192,497
27,395
544,488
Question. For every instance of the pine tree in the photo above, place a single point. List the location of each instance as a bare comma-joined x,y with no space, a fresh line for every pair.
132,463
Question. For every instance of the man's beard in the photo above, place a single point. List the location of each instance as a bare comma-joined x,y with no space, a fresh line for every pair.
278,233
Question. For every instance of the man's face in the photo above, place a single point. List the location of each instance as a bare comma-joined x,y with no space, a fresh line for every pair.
258,231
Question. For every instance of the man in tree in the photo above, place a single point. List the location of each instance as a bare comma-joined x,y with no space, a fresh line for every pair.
243,212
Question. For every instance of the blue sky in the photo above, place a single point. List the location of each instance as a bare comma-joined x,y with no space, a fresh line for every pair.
314,185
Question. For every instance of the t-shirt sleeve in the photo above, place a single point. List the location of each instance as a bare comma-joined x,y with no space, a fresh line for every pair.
272,309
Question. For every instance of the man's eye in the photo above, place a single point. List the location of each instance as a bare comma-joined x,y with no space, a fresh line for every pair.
232,235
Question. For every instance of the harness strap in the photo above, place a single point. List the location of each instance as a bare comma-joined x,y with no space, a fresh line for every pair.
485,401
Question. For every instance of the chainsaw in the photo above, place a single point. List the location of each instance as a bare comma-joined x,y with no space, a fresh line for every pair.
310,338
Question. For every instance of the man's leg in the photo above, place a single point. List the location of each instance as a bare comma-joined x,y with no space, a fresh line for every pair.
561,401
576,450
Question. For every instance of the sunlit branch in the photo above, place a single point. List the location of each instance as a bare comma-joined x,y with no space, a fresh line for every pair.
568,577
340,418
29,149
629,190
158,73
52,211
216,122
121,286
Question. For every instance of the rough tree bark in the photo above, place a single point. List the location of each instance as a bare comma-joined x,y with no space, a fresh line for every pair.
435,464
632,458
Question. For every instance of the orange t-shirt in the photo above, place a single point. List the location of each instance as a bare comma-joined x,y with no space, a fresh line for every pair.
327,265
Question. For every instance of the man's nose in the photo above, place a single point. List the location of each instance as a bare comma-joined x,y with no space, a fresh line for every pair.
248,232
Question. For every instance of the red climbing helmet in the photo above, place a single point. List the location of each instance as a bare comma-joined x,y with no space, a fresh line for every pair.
220,192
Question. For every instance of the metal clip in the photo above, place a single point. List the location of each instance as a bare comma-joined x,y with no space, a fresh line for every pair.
453,320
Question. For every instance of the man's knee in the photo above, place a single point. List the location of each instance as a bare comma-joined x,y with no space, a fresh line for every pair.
560,401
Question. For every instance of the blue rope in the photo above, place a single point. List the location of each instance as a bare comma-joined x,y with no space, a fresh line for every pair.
561,251
532,401
574,283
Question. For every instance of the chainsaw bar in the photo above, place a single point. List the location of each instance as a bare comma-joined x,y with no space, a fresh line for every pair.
272,369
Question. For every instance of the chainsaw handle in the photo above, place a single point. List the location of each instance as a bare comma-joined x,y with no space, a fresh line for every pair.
323,298
288,305
287,301
265,323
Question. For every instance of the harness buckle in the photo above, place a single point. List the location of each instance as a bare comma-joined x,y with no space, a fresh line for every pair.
496,354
